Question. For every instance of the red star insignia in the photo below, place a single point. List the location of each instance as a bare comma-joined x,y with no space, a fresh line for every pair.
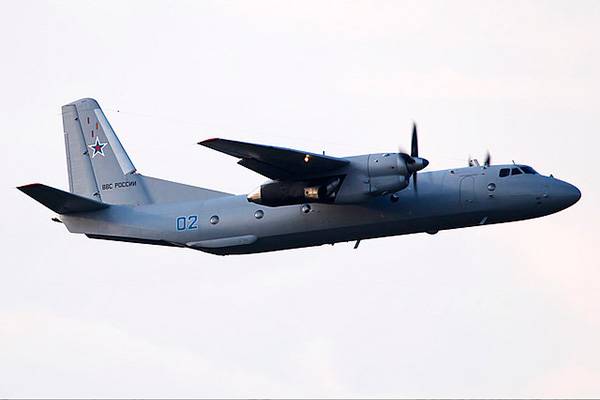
97,147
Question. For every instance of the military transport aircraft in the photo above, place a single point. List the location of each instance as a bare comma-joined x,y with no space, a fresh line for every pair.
309,200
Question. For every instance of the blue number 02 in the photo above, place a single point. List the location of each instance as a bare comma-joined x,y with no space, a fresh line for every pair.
189,222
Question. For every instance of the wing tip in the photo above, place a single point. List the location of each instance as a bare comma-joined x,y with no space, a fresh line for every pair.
60,201
206,141
23,188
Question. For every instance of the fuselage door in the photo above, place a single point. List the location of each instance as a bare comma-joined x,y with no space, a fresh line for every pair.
467,191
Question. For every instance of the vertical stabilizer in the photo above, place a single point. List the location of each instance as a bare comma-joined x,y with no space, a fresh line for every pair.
98,165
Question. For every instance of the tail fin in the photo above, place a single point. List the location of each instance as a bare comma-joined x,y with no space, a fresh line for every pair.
99,168
59,201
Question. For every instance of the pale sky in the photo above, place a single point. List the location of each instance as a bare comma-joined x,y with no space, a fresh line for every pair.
508,310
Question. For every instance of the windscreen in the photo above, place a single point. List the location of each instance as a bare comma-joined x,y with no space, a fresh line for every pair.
528,170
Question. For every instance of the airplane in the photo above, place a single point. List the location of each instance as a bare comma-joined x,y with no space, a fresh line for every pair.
309,200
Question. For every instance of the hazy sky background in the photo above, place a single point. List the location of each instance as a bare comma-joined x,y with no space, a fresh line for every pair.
507,310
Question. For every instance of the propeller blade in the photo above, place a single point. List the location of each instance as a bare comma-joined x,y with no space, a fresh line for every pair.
488,159
415,181
414,144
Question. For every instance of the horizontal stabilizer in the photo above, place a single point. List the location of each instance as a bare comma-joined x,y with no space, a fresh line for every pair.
59,201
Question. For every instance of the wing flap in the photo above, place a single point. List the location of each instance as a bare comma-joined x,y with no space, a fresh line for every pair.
264,169
60,201
276,162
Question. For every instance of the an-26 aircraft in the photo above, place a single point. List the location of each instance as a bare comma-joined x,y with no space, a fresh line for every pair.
310,199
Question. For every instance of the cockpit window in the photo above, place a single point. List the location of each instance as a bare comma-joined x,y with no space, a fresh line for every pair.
504,172
516,171
528,170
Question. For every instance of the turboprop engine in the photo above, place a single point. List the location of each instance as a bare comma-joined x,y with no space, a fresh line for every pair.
389,172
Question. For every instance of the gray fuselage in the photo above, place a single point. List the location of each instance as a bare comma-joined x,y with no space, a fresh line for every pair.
446,199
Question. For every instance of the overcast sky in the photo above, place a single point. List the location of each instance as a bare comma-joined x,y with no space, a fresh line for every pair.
507,310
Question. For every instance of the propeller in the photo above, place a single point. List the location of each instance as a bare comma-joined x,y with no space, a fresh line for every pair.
488,159
486,162
413,162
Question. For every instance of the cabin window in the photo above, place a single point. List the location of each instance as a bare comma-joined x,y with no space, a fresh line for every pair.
214,219
528,170
516,171
504,172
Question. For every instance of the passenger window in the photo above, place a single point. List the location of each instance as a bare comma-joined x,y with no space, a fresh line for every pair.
528,170
516,171
504,172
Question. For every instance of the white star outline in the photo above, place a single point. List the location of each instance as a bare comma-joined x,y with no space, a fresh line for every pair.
97,147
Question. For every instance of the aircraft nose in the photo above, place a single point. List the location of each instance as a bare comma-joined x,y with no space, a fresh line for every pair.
565,194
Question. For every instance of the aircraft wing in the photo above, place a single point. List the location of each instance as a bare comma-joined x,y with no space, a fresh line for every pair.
277,163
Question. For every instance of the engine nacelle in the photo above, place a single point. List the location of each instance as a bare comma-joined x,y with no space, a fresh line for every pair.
388,173
376,175
387,184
